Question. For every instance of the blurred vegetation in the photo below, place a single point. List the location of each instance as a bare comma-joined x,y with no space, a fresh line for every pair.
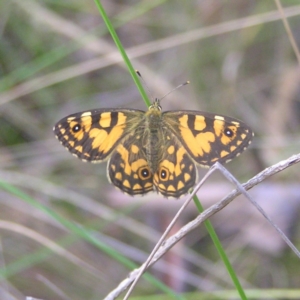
56,58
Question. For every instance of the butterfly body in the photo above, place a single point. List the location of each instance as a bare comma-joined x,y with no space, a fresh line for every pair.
153,150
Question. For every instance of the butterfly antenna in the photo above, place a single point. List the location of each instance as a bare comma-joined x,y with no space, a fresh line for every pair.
145,84
177,87
149,91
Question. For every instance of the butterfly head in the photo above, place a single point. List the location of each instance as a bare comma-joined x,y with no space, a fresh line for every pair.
155,105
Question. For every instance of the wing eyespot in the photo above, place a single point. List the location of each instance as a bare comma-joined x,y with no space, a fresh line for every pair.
145,173
76,128
164,174
228,132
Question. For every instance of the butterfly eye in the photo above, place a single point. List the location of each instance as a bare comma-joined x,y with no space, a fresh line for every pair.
76,128
144,173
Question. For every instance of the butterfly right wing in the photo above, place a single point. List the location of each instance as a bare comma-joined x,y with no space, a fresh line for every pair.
207,137
93,135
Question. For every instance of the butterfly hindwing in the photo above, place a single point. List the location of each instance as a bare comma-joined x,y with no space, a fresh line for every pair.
176,173
128,168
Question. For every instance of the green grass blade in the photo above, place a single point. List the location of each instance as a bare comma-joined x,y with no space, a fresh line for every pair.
221,251
122,52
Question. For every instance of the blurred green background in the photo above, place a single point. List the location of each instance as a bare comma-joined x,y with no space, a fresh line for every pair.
57,58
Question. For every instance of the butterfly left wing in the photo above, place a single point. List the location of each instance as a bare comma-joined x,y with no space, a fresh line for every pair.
93,135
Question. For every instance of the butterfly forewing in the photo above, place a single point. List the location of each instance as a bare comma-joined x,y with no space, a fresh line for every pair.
93,135
209,138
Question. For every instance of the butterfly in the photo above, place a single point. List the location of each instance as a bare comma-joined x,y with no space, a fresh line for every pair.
153,150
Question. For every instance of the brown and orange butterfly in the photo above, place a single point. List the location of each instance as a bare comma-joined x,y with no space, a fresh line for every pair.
153,150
